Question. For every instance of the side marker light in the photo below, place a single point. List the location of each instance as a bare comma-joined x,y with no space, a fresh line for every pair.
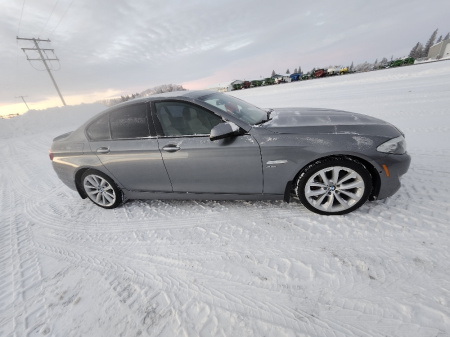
385,170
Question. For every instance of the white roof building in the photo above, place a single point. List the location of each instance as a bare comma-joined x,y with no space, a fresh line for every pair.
440,50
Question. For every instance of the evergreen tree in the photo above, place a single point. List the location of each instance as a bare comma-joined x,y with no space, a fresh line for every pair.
419,51
413,52
375,65
384,62
295,71
351,67
429,43
439,40
447,36
273,73
287,71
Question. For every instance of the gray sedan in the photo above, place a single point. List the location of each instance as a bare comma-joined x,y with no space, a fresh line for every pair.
207,145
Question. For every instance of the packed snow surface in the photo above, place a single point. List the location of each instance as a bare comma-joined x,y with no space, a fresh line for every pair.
234,268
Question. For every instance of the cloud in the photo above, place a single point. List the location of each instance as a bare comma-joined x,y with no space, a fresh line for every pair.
134,45
237,45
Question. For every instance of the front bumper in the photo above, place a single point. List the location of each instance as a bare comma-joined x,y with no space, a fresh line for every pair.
393,167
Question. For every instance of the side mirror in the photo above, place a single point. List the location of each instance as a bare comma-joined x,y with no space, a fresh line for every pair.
224,130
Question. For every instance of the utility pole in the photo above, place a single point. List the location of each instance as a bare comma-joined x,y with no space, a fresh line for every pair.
43,59
23,99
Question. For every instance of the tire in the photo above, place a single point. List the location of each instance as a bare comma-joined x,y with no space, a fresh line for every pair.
101,189
334,186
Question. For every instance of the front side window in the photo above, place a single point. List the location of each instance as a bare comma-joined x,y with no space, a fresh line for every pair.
99,129
185,119
129,122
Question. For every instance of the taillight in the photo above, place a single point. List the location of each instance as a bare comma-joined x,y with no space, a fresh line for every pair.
50,154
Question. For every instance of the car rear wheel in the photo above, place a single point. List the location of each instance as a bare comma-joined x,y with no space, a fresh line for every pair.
334,186
101,189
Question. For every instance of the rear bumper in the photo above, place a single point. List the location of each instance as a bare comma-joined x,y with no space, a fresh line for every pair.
393,167
65,173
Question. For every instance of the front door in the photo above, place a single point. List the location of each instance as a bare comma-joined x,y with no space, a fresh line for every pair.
197,165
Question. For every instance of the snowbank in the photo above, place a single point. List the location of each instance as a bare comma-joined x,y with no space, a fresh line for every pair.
49,120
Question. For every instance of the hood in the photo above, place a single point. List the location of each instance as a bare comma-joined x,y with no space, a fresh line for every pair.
327,121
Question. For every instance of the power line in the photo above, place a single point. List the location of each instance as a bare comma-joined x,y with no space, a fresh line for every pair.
43,59
51,14
21,13
62,17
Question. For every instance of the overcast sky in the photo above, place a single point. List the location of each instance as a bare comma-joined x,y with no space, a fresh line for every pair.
112,47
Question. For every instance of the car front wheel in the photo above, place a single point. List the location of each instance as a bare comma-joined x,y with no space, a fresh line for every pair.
101,189
334,186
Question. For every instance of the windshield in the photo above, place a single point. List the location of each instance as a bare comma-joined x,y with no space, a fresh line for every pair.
234,106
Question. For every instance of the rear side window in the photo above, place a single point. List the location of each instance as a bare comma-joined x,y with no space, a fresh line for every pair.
99,129
129,122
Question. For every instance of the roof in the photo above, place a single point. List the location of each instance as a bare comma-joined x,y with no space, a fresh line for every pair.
187,94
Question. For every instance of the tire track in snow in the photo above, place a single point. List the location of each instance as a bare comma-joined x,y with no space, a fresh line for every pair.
220,281
21,278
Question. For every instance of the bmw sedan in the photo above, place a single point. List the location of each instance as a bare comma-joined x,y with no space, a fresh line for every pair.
207,145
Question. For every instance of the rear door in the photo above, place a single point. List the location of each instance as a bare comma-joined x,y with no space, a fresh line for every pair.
197,165
124,144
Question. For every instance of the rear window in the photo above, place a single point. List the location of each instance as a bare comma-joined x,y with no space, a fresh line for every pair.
129,122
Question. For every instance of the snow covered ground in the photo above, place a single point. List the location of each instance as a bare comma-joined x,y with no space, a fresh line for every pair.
233,268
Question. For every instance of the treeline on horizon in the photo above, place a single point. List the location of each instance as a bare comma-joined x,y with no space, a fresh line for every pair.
418,51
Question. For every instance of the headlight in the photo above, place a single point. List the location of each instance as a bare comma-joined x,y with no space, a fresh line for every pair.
393,146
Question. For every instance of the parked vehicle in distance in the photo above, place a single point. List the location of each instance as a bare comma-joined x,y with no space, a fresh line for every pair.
320,73
333,71
256,83
269,81
237,86
207,145
246,84
401,62
295,77
307,76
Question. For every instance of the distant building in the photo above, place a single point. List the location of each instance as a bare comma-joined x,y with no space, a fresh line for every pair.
440,50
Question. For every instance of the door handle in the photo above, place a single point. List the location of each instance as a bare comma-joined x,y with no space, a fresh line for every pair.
103,150
171,148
